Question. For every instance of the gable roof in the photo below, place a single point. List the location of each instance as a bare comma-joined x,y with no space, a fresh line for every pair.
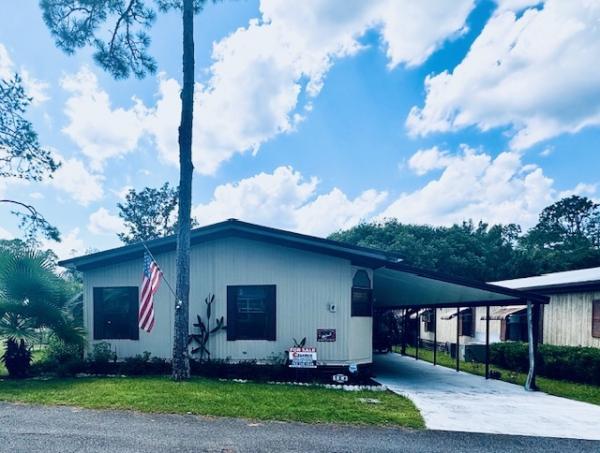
439,285
362,256
569,281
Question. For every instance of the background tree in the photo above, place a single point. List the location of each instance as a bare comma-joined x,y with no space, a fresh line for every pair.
21,155
566,236
149,214
481,251
124,50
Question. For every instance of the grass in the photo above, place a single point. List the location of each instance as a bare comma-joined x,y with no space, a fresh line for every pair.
566,389
218,398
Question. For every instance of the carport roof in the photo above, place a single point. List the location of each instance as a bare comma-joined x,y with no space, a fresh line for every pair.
400,286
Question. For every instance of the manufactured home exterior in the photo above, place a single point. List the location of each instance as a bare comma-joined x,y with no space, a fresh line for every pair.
572,318
272,288
306,286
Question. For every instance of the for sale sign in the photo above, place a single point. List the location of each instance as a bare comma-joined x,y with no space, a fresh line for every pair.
303,357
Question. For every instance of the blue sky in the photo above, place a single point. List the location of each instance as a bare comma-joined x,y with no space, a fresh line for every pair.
316,115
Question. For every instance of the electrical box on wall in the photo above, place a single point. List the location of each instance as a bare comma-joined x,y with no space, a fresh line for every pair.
332,307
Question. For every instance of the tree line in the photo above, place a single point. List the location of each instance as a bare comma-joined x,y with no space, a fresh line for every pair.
566,237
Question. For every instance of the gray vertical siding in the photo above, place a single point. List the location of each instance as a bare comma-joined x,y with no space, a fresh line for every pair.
568,320
306,283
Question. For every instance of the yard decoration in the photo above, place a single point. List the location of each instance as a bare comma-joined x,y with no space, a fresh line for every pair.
299,344
201,339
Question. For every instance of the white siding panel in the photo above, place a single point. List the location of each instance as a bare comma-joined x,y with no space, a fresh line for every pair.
568,320
306,283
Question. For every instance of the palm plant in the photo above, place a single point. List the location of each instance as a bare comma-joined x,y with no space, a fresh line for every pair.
32,298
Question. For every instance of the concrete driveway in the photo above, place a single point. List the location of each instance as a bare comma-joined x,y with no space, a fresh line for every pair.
454,401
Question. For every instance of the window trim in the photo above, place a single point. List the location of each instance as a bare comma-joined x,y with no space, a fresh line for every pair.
99,332
270,313
596,318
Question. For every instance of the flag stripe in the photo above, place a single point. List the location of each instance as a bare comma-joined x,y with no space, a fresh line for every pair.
150,284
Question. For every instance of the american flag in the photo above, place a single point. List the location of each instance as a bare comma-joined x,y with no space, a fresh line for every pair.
150,283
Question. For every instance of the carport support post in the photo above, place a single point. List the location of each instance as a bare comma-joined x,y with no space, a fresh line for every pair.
434,336
418,335
457,338
403,349
487,342
532,328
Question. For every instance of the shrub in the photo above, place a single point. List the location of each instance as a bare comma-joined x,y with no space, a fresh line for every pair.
144,365
570,363
102,359
16,358
62,358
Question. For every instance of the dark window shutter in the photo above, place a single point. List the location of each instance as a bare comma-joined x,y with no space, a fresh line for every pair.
271,312
596,319
98,318
473,321
231,313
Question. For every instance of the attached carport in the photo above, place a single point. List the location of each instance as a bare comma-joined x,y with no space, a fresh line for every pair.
401,287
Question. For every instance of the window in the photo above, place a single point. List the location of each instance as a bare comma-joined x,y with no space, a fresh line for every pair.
466,325
428,318
596,319
116,313
516,327
362,294
251,312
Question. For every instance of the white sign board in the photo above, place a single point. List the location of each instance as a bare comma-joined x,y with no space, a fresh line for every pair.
303,357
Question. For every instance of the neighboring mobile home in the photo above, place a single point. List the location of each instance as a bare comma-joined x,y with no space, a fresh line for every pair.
572,318
271,286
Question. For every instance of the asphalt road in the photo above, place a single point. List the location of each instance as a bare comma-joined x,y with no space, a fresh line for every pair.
25,428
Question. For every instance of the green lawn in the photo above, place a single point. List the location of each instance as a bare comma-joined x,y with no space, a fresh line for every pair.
218,398
572,390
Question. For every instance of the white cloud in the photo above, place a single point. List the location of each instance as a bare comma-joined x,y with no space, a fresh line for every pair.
36,89
75,179
531,72
259,72
70,245
121,194
287,200
6,64
5,234
425,160
103,222
99,130
474,185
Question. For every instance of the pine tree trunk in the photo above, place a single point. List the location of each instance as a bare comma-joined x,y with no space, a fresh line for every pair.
181,363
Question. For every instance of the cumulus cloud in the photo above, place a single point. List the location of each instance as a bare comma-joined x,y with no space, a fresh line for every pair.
76,180
474,185
530,72
286,199
103,222
259,72
70,245
101,131
36,89
425,160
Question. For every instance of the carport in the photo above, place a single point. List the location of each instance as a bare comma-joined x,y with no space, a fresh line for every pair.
401,287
